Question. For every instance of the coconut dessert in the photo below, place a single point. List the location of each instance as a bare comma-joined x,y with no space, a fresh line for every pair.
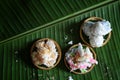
45,53
80,59
96,29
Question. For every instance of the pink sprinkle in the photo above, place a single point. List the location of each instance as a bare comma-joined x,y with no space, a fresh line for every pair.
93,61
87,64
83,66
72,65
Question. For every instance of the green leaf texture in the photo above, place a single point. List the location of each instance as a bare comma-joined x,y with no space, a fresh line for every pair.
18,16
22,25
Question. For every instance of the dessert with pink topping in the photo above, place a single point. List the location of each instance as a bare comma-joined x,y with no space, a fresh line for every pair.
45,53
80,59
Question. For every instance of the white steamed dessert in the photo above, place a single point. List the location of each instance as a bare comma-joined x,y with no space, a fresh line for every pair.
45,53
96,41
96,31
80,58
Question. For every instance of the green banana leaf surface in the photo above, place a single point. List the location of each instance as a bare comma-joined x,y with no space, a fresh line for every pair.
22,22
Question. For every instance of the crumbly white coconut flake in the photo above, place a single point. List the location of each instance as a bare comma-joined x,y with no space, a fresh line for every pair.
16,61
46,52
40,44
65,37
70,42
80,49
51,45
88,52
70,78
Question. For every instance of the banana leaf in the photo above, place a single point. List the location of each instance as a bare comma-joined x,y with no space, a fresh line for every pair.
24,22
